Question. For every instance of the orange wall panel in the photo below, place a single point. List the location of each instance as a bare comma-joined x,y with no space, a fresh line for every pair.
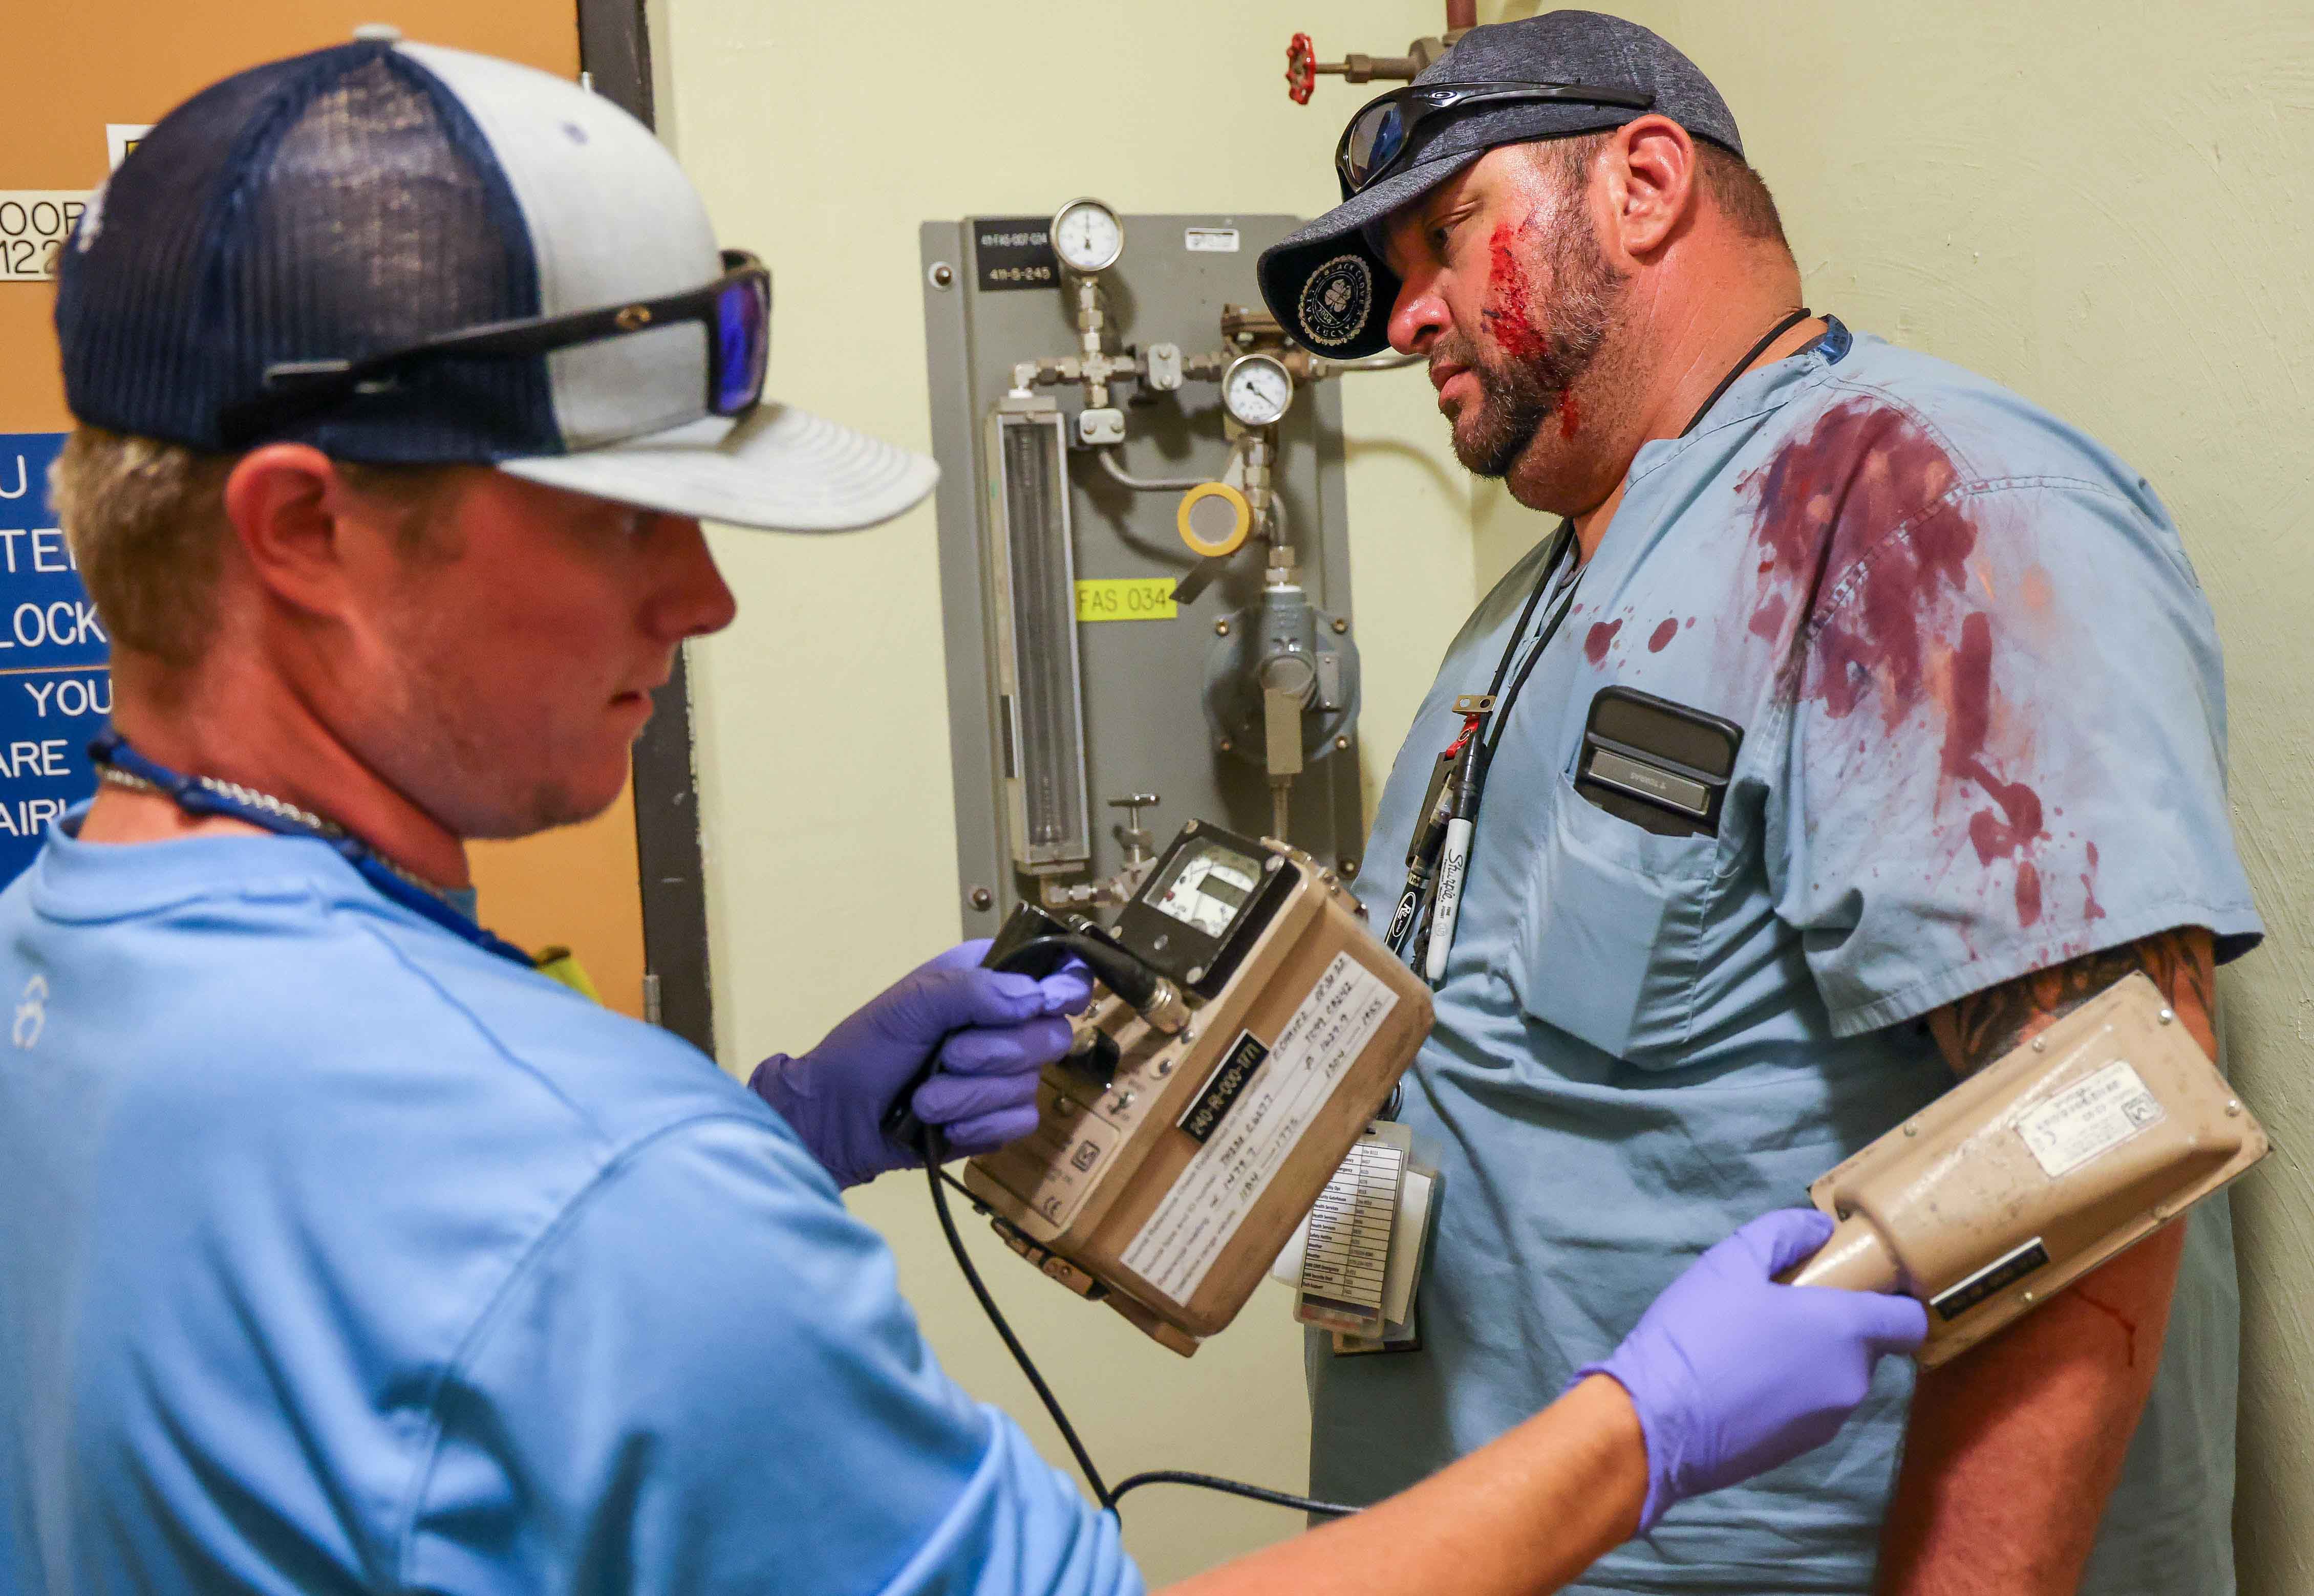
77,64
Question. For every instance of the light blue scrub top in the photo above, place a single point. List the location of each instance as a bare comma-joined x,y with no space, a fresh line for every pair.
1996,743
336,1255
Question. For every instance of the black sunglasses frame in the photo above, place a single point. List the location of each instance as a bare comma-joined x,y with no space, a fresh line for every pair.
1431,100
296,388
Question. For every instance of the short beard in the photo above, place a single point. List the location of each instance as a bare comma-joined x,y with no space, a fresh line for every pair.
424,743
1517,396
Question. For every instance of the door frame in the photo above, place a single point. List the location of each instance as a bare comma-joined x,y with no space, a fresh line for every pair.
614,56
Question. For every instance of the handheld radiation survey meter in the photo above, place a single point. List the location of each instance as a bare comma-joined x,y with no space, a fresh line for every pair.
1186,1136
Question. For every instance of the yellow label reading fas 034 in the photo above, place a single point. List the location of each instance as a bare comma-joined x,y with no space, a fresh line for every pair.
1125,598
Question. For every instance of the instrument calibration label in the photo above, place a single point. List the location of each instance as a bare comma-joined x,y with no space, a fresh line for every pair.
2089,1119
1222,1184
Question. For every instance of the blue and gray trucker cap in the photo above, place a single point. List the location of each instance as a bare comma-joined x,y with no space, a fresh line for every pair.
1328,283
368,197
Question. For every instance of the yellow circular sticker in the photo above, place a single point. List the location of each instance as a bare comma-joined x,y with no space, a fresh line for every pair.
1213,519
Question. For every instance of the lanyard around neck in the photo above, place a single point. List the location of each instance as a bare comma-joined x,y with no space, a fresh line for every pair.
206,796
1563,548
1468,763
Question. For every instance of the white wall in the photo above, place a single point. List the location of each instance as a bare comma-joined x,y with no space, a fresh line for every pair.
822,136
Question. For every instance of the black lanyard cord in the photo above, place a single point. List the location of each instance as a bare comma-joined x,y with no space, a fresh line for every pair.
1744,364
1559,541
1500,715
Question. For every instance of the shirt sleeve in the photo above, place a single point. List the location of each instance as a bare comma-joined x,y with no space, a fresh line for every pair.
2006,749
704,1379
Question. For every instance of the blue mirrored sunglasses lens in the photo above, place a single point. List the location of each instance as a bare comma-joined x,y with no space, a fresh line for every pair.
1379,137
743,329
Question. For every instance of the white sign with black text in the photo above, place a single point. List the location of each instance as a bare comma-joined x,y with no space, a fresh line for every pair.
34,223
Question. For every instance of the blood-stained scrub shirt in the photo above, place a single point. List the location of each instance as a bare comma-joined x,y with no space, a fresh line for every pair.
1983,732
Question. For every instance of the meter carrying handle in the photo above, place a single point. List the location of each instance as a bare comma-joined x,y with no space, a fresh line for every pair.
1033,943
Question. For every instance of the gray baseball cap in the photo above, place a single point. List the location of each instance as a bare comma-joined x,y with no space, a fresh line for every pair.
1328,285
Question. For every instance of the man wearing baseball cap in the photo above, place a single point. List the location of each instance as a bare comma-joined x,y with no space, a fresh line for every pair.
343,1250
1857,719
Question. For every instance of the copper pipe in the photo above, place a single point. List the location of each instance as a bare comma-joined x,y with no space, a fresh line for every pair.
1461,14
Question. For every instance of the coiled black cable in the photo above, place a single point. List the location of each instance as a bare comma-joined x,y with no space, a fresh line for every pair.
935,1148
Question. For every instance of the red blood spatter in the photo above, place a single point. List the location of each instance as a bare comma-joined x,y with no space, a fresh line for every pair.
1661,636
1853,521
2029,894
1967,724
2128,1325
1826,510
1970,719
1569,414
1599,639
2018,823
1510,292
2091,908
1880,637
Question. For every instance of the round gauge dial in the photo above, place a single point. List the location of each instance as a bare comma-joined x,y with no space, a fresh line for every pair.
1087,237
1257,389
1209,889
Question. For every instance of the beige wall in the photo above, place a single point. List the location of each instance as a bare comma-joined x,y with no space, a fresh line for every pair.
2110,208
822,136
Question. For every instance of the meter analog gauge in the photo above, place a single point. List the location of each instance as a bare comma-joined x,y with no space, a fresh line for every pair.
1256,390
1087,237
1209,890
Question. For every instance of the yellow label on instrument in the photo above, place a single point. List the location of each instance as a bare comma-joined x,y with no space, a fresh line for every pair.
1125,598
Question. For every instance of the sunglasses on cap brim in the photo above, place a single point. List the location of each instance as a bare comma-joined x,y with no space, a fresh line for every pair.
736,309
1381,136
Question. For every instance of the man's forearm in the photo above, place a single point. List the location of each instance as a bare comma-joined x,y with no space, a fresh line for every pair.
2013,1447
1519,1517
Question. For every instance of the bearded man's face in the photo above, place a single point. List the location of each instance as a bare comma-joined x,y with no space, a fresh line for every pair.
1552,298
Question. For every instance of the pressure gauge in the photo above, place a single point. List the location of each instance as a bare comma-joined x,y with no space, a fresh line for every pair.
1257,389
1087,237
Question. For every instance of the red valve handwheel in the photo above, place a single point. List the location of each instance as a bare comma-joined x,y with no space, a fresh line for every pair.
1301,68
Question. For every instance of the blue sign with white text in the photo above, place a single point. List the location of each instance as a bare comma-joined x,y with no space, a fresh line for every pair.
56,689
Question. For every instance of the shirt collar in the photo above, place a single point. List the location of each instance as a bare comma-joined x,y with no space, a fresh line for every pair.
72,881
1754,395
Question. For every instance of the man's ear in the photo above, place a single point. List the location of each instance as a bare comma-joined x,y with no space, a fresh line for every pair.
1651,186
287,505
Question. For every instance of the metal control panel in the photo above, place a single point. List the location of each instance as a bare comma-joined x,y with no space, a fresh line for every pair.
1113,414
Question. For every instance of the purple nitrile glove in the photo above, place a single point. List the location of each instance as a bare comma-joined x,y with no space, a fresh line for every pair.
993,1030
1733,1374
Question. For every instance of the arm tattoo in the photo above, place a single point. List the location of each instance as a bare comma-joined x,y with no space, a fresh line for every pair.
1974,1030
